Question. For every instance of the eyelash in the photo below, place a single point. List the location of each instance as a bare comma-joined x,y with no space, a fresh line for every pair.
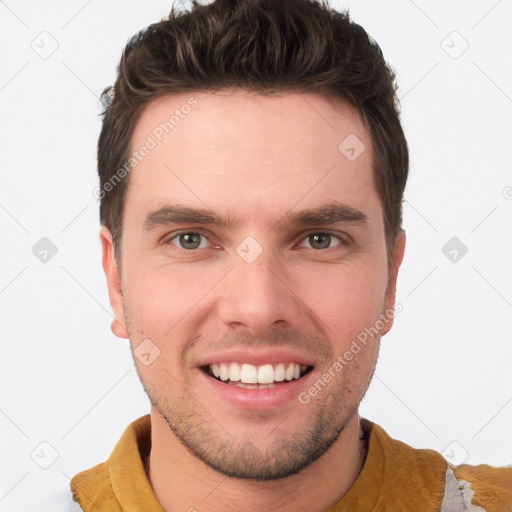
168,240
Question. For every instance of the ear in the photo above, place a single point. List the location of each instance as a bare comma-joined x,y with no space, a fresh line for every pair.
113,282
394,265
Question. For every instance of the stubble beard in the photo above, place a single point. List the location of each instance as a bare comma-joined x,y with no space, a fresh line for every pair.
244,456
203,435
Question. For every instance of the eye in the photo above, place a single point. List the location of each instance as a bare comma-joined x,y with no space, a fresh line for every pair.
187,240
193,240
321,240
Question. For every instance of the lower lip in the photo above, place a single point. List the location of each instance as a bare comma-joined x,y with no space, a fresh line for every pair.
257,399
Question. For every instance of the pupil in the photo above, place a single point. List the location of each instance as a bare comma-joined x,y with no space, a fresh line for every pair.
188,238
325,236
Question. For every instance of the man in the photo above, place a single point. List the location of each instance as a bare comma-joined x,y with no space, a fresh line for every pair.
252,167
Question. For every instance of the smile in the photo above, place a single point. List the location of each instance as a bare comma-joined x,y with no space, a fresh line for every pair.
249,376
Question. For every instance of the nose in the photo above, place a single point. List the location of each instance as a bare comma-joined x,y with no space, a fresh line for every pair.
256,295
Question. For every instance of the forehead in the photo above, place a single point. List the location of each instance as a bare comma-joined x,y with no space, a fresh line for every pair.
257,152
242,116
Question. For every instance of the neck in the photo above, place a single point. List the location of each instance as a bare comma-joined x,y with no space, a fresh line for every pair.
183,482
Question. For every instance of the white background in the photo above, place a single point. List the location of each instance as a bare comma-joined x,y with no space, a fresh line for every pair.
444,369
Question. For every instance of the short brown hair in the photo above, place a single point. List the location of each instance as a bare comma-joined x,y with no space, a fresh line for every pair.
260,46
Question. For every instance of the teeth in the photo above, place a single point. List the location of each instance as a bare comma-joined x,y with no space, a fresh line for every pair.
224,372
250,374
265,374
234,372
279,372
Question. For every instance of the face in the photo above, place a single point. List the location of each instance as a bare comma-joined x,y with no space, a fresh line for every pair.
267,286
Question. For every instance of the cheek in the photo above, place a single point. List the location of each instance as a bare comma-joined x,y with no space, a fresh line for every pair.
165,304
346,300
163,293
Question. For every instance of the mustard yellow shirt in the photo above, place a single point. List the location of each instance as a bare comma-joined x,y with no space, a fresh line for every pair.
395,477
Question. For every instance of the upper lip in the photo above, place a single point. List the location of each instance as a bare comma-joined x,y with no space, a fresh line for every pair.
255,356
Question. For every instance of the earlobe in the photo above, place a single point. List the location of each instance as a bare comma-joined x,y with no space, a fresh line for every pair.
113,283
119,330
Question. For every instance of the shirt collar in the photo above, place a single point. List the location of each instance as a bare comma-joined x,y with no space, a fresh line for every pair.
390,465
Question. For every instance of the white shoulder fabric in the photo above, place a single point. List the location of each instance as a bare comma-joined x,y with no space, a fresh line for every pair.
458,495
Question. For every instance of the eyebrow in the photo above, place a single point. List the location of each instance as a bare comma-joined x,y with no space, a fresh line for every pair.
329,213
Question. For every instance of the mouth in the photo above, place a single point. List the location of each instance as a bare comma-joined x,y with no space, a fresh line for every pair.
248,376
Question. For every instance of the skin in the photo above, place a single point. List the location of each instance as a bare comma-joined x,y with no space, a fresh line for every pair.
253,158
